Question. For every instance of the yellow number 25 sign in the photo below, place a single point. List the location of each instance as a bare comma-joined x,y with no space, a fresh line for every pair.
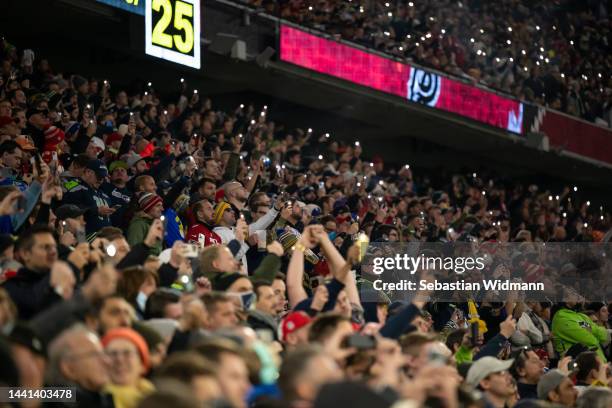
172,30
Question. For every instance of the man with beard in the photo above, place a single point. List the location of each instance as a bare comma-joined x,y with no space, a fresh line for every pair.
203,212
236,195
229,227
117,190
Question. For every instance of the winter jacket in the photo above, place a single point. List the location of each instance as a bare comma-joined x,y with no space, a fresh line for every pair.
137,232
570,327
228,234
85,196
31,292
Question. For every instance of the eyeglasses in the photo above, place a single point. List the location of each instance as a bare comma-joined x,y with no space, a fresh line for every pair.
87,354
116,354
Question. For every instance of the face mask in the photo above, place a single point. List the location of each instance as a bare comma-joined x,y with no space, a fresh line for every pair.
332,235
141,300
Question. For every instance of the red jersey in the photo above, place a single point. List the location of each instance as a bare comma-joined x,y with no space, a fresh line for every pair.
210,237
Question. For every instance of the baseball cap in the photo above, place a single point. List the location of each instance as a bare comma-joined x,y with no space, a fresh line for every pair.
98,167
549,382
292,322
117,164
484,366
25,143
99,143
69,211
133,159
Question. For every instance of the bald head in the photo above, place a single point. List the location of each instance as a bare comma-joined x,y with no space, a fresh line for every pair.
76,356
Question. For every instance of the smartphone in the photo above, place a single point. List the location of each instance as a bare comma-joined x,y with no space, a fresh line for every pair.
21,204
35,162
359,341
165,224
80,236
191,250
474,333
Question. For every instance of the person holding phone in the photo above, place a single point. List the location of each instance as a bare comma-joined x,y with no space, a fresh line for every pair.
150,208
88,195
116,189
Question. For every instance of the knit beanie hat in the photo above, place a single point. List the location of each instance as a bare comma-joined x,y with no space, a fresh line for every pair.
219,210
133,337
223,281
148,200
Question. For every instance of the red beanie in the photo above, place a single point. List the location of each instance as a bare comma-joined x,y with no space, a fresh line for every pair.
133,337
114,137
148,200
53,137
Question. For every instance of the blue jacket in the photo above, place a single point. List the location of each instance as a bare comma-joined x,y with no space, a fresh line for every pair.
89,198
174,230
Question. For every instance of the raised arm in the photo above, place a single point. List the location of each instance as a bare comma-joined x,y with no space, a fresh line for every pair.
295,271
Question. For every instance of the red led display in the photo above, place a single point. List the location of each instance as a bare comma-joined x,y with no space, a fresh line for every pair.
415,84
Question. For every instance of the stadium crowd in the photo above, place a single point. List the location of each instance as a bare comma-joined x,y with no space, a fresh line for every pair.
552,53
161,253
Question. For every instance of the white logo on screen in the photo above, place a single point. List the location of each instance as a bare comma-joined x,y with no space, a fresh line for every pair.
423,87
515,122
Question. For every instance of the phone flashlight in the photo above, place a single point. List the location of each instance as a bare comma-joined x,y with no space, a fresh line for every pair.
111,250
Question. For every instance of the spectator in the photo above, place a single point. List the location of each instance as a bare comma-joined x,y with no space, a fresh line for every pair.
88,195
42,281
232,370
294,329
194,371
527,370
76,358
203,211
570,327
595,398
129,355
150,208
303,372
221,311
491,376
557,387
